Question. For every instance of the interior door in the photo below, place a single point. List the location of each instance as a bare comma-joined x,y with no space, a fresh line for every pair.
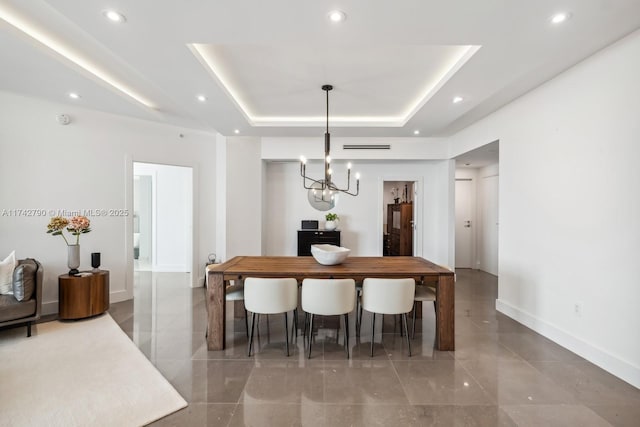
464,223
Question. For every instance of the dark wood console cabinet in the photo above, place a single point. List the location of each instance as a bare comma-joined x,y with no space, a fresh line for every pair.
306,238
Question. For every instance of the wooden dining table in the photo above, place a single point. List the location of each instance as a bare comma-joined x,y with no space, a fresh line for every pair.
357,268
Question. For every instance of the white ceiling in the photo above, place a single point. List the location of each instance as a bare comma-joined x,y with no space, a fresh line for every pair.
395,66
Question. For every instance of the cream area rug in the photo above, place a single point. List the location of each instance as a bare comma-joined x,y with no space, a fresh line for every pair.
82,373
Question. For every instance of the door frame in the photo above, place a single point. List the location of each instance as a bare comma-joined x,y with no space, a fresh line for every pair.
195,232
418,200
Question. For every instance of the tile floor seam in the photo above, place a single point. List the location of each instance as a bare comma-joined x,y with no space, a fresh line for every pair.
484,390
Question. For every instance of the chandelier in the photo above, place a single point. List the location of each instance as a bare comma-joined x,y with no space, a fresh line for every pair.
324,190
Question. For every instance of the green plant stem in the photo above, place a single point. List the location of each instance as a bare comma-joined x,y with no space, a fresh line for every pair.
65,239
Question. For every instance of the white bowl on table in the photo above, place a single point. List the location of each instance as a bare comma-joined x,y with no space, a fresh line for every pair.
329,254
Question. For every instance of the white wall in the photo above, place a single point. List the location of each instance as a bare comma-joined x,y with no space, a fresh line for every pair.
243,197
88,165
569,206
488,219
361,216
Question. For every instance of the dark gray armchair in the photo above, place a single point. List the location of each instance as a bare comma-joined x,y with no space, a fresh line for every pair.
24,307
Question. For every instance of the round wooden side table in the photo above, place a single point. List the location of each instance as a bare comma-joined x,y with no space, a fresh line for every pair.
80,297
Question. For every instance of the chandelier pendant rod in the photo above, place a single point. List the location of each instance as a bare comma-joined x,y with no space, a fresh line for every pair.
327,183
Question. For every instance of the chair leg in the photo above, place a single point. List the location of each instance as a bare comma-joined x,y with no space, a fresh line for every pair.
286,331
246,322
413,332
346,333
373,330
310,334
406,331
28,329
294,330
306,322
357,319
253,326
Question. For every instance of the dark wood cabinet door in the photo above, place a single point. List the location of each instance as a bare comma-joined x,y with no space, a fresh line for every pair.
306,238
400,229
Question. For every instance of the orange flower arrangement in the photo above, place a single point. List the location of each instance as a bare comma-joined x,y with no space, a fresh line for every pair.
76,226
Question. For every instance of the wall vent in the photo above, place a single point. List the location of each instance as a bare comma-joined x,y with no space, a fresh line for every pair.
366,147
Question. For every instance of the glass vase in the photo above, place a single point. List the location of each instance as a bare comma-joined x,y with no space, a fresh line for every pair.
73,259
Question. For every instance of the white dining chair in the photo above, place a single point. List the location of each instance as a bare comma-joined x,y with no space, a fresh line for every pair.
423,293
388,296
328,297
270,296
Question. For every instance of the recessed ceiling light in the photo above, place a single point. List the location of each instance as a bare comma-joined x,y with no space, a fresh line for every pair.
457,99
337,16
114,16
74,95
467,164
416,132
559,18
236,131
201,98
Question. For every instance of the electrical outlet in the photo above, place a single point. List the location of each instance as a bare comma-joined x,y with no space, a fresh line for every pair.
577,309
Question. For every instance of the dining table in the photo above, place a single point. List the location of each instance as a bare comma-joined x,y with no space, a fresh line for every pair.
424,272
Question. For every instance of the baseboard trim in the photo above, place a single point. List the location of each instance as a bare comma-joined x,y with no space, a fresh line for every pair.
596,355
51,307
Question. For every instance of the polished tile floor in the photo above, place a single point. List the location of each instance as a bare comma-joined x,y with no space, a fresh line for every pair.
501,374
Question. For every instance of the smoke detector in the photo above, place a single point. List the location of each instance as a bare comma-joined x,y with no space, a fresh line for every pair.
63,119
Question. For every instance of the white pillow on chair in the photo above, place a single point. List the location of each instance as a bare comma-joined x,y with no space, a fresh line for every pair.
6,274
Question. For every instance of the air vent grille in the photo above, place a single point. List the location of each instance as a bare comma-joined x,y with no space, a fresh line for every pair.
366,147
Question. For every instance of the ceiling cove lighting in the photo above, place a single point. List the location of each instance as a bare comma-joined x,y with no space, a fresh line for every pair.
114,16
322,191
67,53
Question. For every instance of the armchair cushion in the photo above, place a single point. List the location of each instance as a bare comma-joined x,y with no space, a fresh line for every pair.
24,279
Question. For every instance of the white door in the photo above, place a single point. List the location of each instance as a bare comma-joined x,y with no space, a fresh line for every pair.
464,223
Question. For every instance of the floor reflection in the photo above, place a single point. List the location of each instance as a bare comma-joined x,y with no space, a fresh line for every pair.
501,373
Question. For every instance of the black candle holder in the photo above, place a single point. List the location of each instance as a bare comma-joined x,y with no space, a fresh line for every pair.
95,261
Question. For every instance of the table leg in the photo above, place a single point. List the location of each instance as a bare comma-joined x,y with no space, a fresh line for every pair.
216,312
445,313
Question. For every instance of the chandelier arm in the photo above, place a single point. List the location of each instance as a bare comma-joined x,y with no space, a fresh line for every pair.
314,181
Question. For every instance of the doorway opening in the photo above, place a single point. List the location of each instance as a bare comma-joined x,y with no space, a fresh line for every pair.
162,218
476,209
399,214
